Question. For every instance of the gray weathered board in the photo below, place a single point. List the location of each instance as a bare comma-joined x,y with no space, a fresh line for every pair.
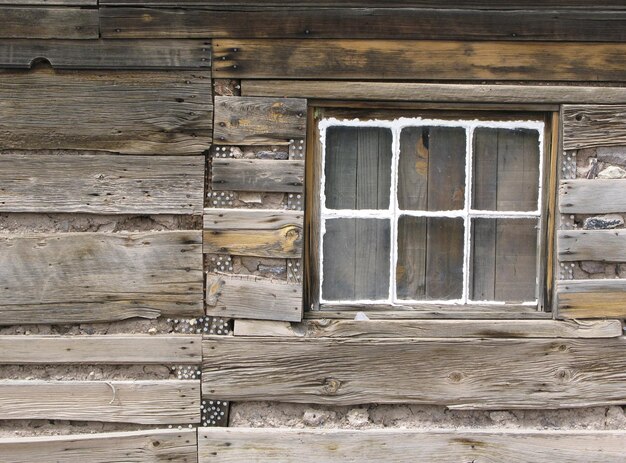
48,23
458,373
144,402
131,112
258,121
598,245
109,349
589,126
262,233
591,298
596,196
257,175
82,277
101,184
256,298
107,54
155,445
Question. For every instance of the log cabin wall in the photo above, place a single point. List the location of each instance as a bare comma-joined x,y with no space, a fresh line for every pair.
157,160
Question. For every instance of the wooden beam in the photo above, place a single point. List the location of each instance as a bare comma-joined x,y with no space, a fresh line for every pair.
149,446
234,445
257,175
257,298
433,92
122,111
415,60
101,184
107,54
90,277
111,350
430,329
457,373
144,402
599,245
262,233
591,126
591,298
48,23
596,196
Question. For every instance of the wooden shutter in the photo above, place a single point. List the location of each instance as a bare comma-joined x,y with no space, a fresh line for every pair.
276,128
591,240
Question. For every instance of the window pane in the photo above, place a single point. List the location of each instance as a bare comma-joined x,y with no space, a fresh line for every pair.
504,260
356,259
358,168
506,169
430,258
431,171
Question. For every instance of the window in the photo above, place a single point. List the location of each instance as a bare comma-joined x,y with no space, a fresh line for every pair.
430,210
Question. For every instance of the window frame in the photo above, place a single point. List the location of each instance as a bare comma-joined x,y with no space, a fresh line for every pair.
374,115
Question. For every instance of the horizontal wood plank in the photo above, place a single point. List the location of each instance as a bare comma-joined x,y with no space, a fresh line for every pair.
457,373
257,175
145,112
596,196
111,350
48,23
415,60
82,277
591,298
150,446
234,445
107,54
598,245
327,328
433,92
101,184
262,233
258,121
256,298
144,402
591,126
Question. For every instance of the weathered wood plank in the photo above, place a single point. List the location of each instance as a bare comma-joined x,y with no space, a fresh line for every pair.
257,175
262,233
457,373
600,245
48,23
592,196
413,60
101,184
107,54
591,298
593,125
145,402
122,111
50,2
116,447
234,445
78,277
258,121
361,23
112,350
430,329
256,298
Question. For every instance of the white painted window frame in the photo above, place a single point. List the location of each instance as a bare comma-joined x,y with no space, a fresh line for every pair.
393,213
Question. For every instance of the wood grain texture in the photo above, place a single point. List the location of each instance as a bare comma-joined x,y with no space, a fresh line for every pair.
361,23
430,329
262,233
156,445
414,60
107,54
459,373
144,402
79,277
101,184
258,121
591,298
599,245
257,175
591,126
592,196
110,350
122,111
256,298
48,23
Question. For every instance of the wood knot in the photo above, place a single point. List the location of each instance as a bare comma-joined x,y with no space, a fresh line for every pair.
331,385
455,377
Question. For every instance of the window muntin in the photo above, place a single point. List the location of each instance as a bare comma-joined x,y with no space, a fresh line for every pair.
409,215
